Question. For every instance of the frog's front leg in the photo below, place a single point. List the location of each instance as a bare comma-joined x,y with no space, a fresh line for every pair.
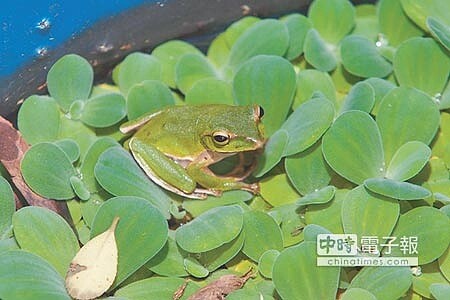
164,171
199,171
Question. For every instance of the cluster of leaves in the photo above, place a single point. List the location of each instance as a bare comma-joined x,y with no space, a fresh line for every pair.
357,112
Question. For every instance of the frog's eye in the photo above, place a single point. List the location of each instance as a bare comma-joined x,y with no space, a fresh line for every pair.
258,112
221,138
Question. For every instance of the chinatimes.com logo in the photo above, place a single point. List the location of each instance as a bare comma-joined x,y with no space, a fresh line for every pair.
349,250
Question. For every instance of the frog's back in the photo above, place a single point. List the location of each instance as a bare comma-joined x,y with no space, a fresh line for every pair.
176,130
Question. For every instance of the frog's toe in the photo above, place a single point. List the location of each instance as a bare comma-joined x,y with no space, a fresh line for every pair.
252,188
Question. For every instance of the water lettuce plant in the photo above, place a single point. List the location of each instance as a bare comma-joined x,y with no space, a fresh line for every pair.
357,115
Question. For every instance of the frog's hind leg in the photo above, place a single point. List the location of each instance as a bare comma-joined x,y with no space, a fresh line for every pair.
164,171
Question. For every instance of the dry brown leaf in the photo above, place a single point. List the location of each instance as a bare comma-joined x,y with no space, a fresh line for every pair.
93,269
12,149
218,289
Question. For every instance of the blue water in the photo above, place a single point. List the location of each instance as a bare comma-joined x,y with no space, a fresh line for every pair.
28,27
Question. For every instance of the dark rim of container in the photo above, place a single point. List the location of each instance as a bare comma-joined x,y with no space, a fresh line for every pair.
140,29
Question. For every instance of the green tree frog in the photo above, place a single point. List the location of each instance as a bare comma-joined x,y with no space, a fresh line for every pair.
175,146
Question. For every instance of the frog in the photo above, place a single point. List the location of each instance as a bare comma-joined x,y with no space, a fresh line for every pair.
176,146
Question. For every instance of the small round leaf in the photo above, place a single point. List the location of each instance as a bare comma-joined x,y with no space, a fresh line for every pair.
318,53
352,147
261,234
269,37
361,58
191,68
70,79
428,58
408,161
135,214
311,281
136,68
432,229
104,110
47,170
396,189
45,233
147,97
210,230
400,122
38,119
26,276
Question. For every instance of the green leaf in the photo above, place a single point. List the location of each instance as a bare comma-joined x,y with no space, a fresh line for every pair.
366,22
70,148
361,58
273,152
327,215
297,25
219,50
400,122
135,213
214,259
382,282
270,82
104,110
83,135
90,159
210,230
444,259
308,170
396,189
138,67
237,28
310,81
27,276
429,274
297,276
408,161
194,268
47,170
422,56
266,262
168,55
273,187
440,291
419,10
155,288
333,19
358,294
45,233
70,79
169,261
261,234
269,37
118,174
318,53
307,124
352,147
147,97
381,87
361,207
210,91
191,68
440,31
394,23
361,97
7,208
196,208
432,229
38,119
79,188
321,196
